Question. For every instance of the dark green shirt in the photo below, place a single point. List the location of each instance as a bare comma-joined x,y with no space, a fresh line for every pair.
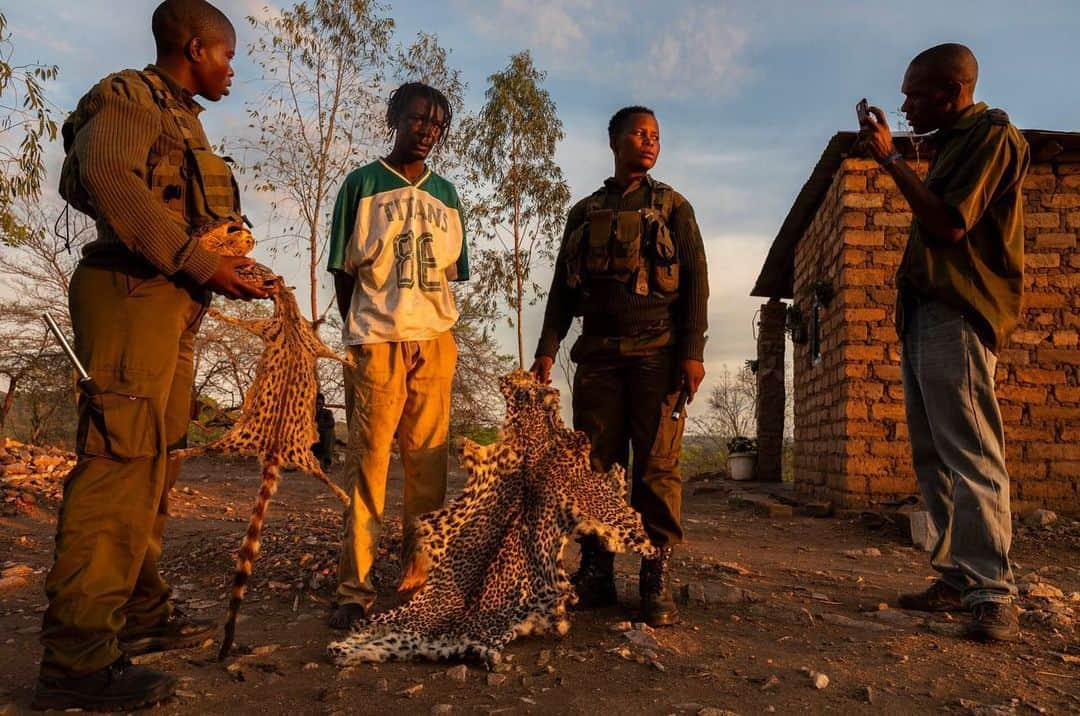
978,170
612,304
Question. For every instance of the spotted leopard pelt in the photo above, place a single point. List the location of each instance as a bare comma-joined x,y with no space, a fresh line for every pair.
277,421
489,565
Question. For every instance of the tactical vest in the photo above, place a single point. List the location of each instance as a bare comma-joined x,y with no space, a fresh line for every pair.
193,183
631,247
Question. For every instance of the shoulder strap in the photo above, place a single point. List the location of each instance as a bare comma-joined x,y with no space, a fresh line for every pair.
596,200
164,98
662,200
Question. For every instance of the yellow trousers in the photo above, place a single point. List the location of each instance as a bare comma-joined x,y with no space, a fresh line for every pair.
397,389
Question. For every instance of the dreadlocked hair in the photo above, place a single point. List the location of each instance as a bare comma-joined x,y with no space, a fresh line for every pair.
618,120
405,94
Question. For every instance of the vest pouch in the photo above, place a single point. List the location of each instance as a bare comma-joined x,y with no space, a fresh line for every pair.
71,187
598,251
168,184
626,249
213,193
665,266
572,255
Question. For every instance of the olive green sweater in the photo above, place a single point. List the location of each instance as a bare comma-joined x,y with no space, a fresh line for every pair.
117,127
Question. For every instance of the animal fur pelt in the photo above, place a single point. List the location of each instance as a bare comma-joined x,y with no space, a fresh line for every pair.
276,424
488,567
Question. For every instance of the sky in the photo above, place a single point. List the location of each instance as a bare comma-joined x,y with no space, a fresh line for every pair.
747,92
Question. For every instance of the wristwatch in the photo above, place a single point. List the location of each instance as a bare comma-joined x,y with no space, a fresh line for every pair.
891,159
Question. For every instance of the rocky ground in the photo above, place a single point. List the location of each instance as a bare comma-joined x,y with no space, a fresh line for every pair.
782,614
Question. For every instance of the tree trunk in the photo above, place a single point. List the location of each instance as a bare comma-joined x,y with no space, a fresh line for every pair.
9,401
517,252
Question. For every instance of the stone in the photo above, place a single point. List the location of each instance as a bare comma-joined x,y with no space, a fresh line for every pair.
691,593
868,694
858,553
734,568
12,583
621,626
923,533
642,640
265,649
411,691
771,683
1039,518
841,620
496,679
17,570
458,673
819,680
1041,590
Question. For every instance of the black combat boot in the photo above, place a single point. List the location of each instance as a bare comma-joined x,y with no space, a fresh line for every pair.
120,686
594,581
658,607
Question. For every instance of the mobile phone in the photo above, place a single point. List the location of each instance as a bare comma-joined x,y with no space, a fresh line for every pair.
862,109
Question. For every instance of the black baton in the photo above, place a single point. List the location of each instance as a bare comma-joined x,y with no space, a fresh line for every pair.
680,404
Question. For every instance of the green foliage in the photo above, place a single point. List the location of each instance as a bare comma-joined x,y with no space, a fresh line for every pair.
520,199
481,434
328,67
26,123
741,443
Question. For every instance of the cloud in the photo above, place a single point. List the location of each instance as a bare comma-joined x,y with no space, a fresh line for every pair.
702,52
552,27
678,49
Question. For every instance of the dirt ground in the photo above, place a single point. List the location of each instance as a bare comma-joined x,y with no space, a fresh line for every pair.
773,603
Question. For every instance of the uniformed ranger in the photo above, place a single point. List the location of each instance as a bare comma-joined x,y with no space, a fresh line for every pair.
632,264
959,288
139,163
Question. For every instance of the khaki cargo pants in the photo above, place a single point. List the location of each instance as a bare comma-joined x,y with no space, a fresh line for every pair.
402,389
625,401
135,333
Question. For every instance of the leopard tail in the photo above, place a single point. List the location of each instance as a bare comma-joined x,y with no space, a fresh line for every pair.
249,551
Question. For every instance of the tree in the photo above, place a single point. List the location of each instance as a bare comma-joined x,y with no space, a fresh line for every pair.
508,151
475,400
730,408
25,124
35,275
326,64
733,401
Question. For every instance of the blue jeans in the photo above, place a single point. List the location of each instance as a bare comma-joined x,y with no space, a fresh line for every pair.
958,450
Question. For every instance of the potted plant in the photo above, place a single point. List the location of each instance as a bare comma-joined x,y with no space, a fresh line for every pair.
742,457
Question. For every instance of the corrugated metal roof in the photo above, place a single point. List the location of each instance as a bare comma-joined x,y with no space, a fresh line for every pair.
777,277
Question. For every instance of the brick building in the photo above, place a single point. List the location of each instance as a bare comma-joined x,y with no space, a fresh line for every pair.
834,260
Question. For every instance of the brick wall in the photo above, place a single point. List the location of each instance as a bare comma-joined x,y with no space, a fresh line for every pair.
850,431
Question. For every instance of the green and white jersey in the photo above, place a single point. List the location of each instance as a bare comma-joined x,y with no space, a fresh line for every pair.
402,242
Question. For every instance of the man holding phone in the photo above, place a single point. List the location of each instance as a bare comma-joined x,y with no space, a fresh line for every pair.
959,288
